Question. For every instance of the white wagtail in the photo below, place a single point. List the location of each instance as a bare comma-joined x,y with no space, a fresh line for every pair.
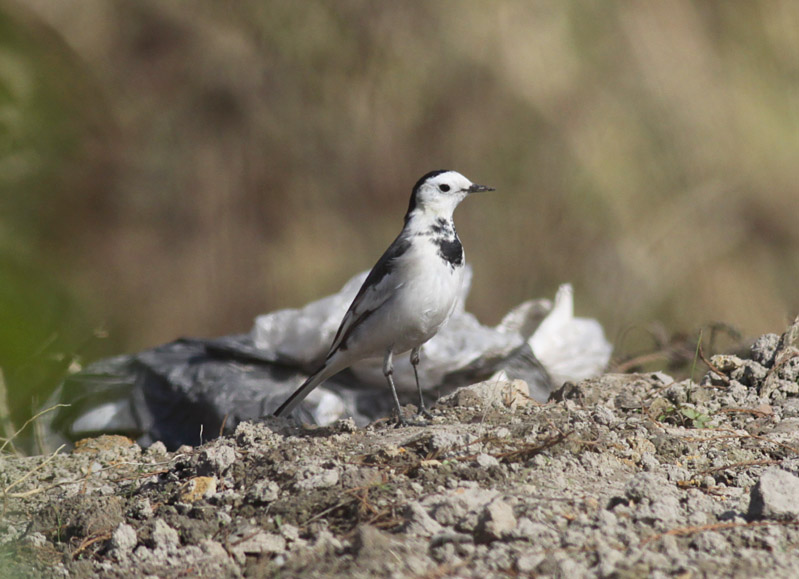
410,292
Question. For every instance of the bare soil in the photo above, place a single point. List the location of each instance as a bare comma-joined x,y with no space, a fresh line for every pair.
625,475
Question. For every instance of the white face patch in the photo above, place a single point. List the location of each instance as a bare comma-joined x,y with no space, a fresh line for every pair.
441,193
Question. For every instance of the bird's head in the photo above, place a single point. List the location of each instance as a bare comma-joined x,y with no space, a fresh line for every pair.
439,192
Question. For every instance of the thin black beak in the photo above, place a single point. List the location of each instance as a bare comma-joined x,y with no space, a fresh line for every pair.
479,188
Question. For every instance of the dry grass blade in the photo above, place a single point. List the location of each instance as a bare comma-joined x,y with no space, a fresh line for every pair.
41,465
28,421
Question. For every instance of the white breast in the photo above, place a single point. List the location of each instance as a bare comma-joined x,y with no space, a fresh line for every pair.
428,296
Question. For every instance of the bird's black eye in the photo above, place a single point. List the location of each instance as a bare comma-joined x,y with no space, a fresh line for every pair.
444,187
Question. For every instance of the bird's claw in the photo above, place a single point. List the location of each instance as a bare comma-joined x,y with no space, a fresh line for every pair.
400,421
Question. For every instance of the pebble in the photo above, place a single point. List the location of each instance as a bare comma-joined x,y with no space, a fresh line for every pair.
775,496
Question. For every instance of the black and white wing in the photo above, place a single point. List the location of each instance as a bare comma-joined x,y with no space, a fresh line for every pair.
376,290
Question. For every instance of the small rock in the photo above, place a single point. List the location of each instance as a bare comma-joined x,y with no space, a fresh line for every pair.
787,426
418,522
605,416
527,563
264,491
486,460
252,433
443,443
215,459
726,362
106,445
764,349
326,542
647,485
123,540
213,549
626,400
289,532
649,461
460,507
790,408
750,373
200,487
345,425
164,537
511,394
360,476
775,496
502,432
496,521
711,543
252,540
609,559
326,478
789,372
447,537
142,509
35,539
156,449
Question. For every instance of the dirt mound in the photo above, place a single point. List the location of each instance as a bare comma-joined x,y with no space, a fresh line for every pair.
622,475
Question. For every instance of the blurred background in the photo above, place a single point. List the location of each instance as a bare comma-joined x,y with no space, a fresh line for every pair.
175,169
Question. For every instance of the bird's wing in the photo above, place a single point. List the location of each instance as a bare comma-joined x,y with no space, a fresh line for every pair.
376,290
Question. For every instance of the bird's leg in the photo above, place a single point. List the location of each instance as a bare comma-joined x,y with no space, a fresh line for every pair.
415,362
388,372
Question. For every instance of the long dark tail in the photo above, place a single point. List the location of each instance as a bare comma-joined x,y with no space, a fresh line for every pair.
307,387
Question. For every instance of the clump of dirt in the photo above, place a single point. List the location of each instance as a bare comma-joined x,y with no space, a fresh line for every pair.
623,475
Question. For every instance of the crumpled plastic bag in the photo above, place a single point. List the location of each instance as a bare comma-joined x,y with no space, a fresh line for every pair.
568,348
191,390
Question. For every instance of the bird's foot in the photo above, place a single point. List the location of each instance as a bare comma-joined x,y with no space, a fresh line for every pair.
421,418
423,411
415,421
400,421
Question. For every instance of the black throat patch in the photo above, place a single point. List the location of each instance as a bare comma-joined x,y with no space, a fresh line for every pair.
443,228
450,250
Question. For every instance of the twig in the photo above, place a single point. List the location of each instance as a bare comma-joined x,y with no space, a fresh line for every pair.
713,368
777,442
627,365
754,411
224,421
88,542
244,538
529,451
741,465
321,514
680,531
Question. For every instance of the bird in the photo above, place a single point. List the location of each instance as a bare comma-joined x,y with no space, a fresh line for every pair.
408,295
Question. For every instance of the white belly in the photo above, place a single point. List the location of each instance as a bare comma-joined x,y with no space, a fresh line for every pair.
430,299
419,307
